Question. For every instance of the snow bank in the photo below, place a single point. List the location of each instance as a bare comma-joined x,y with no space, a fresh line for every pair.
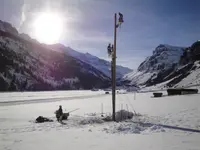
91,120
132,128
124,128
120,115
123,115
154,129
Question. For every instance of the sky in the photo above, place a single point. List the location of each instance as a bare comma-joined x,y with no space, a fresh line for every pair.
88,24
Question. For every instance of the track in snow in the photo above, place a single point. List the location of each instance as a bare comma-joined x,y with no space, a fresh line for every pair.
46,100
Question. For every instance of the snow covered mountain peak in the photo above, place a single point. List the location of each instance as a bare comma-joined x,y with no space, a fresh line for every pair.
165,47
164,56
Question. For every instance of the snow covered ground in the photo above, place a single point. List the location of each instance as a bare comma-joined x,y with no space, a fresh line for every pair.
86,130
38,97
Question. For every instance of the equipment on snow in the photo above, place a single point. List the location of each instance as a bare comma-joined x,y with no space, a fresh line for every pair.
42,119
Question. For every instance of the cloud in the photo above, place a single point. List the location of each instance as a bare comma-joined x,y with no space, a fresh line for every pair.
24,9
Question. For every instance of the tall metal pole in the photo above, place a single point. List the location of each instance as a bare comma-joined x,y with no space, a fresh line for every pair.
114,66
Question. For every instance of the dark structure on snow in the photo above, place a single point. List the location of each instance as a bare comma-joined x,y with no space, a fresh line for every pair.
181,91
42,119
157,94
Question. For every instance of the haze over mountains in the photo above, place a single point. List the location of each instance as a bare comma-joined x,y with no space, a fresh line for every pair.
29,65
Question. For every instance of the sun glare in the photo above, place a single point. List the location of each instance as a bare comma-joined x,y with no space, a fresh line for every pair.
48,27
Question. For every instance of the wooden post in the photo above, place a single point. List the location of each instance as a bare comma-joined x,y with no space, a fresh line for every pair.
101,109
134,95
114,66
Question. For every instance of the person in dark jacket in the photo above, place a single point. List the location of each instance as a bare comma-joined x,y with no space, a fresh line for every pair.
59,114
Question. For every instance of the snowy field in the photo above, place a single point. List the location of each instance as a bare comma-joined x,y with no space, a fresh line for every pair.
38,97
86,130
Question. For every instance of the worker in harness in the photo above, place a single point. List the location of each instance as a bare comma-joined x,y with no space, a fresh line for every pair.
63,116
59,114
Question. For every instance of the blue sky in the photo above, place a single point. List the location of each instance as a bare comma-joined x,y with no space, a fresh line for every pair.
89,24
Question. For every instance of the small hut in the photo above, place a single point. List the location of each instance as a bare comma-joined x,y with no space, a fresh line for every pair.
157,94
181,91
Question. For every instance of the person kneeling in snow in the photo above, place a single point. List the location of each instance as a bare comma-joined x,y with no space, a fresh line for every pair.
59,114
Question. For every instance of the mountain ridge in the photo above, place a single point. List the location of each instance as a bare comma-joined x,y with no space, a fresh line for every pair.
163,58
29,65
169,66
96,62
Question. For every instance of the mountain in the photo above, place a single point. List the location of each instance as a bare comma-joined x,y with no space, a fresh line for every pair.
6,27
28,38
188,71
100,64
169,66
25,64
155,68
163,58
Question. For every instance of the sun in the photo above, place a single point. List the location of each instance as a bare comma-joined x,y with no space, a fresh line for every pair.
48,27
